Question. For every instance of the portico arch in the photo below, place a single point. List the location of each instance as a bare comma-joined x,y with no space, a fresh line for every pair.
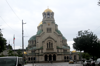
50,57
54,57
45,57
74,57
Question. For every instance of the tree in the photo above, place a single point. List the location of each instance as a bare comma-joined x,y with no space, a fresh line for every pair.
88,42
86,56
19,52
10,53
9,46
2,42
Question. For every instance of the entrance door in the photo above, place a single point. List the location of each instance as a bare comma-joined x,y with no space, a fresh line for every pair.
50,57
74,57
45,57
54,57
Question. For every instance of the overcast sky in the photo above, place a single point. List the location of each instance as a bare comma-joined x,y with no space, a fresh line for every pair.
70,15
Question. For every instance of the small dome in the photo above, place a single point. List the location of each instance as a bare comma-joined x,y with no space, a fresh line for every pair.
73,51
33,38
25,52
40,23
48,10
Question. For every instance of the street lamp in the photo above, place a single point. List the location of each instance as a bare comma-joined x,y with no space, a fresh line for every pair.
23,41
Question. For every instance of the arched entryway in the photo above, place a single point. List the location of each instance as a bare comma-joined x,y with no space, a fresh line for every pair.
74,57
50,58
45,57
54,57
29,59
64,58
67,57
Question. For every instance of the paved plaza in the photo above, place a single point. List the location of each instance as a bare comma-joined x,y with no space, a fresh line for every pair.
53,64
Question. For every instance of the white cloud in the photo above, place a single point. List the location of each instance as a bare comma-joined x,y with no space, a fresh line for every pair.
70,43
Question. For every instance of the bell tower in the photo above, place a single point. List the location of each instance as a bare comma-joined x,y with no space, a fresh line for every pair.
48,15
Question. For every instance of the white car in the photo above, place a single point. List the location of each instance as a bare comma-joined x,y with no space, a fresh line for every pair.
97,62
87,63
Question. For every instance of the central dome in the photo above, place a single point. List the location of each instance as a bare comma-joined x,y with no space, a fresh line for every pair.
48,10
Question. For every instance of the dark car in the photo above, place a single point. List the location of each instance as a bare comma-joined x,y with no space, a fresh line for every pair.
87,63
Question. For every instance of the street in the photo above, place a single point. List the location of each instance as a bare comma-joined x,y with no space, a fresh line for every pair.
53,64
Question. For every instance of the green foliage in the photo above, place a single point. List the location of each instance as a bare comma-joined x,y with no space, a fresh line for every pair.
88,42
1,55
86,56
19,53
9,46
2,42
10,53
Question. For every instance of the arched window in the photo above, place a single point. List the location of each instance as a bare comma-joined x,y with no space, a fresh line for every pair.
44,15
64,57
49,44
29,58
51,15
67,57
48,15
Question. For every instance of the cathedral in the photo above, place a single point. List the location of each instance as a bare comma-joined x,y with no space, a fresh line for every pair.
49,44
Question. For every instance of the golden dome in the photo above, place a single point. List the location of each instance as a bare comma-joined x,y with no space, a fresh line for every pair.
73,51
48,10
40,23
25,52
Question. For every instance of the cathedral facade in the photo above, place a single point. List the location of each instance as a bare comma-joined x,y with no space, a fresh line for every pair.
48,44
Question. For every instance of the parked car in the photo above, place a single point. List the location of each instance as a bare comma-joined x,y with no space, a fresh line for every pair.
11,61
92,63
97,63
87,63
71,62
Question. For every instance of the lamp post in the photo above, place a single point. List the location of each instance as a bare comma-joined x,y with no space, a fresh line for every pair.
23,41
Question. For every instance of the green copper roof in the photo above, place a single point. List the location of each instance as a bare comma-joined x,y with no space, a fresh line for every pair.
63,38
55,24
58,31
59,47
41,47
39,32
65,47
33,37
41,25
33,48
